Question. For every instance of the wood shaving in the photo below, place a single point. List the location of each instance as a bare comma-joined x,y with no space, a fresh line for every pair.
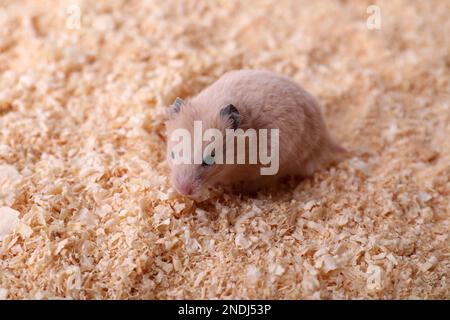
9,218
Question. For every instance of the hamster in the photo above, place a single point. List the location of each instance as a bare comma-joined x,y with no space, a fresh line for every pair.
238,101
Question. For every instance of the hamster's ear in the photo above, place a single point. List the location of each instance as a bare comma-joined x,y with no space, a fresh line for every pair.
230,112
175,107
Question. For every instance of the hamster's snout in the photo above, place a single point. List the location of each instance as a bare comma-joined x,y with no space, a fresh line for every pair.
185,186
185,189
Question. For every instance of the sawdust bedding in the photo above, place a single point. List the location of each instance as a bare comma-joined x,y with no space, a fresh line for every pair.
86,209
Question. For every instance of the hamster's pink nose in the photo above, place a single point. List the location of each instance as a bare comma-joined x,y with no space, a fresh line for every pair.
185,189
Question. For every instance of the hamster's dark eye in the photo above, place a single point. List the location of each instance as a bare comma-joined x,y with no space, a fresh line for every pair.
172,154
208,160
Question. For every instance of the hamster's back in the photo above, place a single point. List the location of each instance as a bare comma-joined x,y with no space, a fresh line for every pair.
264,99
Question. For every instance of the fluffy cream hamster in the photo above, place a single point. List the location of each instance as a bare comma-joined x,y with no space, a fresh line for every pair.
250,99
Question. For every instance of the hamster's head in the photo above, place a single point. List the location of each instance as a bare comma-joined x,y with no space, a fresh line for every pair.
193,146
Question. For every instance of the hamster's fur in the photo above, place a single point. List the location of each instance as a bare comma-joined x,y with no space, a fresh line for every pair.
258,100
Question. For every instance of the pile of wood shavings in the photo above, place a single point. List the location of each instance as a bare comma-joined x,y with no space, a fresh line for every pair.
87,211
